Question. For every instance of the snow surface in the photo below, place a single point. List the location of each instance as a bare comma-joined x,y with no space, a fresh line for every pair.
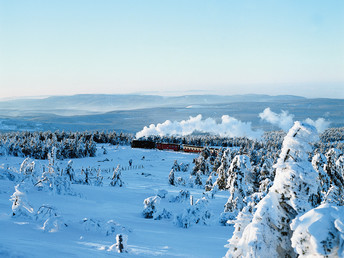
94,215
319,232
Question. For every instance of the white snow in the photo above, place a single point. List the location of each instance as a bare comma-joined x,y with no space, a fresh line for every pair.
319,232
85,221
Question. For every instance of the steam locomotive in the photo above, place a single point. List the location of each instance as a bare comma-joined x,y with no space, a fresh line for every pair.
165,146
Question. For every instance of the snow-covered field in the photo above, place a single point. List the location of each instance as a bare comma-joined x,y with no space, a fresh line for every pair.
89,217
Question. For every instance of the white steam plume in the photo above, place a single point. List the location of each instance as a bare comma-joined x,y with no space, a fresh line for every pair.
229,127
320,124
282,120
285,121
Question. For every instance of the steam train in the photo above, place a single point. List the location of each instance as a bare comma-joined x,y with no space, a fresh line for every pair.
166,146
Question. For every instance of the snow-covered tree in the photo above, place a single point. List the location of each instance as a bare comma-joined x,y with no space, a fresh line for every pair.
99,178
176,166
70,171
116,179
201,166
121,244
221,180
319,161
52,221
240,183
197,213
269,233
198,179
209,183
20,204
150,206
171,179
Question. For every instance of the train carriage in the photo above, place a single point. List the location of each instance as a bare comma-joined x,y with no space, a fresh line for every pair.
168,146
192,148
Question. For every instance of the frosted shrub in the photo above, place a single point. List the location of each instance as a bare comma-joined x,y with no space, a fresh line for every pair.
54,179
111,227
195,214
150,206
108,228
27,167
52,221
176,166
70,171
184,167
116,179
28,174
121,244
92,225
20,204
162,214
181,197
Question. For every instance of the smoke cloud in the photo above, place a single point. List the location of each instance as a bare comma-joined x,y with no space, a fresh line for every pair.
285,121
229,127
320,124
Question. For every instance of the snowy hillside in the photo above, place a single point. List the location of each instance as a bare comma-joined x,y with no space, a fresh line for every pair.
86,194
89,216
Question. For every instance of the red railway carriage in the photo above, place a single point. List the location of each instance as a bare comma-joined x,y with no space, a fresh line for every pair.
168,146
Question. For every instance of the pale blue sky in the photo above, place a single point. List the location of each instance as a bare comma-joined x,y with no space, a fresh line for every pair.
68,47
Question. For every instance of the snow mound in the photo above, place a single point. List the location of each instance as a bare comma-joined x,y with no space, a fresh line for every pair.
319,232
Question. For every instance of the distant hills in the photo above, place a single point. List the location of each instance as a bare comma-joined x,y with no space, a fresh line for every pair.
129,113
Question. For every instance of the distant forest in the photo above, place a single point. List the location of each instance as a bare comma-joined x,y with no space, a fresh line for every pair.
83,144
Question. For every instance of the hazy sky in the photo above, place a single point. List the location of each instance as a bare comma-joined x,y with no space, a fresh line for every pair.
232,47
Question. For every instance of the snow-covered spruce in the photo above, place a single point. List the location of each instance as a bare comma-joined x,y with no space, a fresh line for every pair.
240,183
195,214
20,205
54,179
151,209
150,206
319,161
336,192
221,180
292,193
121,244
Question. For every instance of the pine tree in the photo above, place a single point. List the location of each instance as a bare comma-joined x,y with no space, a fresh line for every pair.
20,205
295,183
318,162
221,180
198,179
240,183
171,179
70,171
121,244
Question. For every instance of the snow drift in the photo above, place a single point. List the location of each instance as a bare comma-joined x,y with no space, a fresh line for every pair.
319,232
229,127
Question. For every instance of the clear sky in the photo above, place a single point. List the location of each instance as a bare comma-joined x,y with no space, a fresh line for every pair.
172,46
